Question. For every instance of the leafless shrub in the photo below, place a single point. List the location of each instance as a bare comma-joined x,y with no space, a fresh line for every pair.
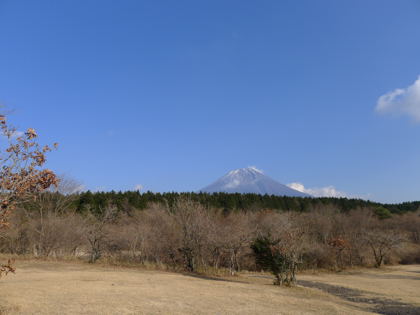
229,240
192,221
95,231
381,242
409,222
6,268
189,236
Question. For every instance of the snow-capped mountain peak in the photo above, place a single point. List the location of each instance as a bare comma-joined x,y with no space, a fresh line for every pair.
251,180
249,170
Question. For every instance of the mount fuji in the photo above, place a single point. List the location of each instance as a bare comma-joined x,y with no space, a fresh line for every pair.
251,180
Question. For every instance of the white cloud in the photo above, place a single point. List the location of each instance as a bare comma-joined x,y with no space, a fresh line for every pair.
402,101
138,187
328,191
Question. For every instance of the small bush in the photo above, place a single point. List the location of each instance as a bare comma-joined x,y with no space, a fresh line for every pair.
271,256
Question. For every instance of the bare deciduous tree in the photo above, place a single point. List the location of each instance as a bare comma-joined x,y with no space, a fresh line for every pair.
191,219
95,231
381,242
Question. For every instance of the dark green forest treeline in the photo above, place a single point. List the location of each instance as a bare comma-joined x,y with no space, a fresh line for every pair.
134,200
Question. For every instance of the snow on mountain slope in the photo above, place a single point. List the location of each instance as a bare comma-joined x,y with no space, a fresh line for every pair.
251,180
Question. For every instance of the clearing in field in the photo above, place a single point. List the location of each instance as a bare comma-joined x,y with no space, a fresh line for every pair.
74,288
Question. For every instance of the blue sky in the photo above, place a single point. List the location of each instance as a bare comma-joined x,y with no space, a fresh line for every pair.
173,94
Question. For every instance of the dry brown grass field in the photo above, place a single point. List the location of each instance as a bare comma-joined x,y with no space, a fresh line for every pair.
44,287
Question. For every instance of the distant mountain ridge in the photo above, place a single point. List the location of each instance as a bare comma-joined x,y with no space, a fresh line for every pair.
251,180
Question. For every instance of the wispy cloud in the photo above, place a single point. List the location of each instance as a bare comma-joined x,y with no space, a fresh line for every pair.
404,101
138,187
328,191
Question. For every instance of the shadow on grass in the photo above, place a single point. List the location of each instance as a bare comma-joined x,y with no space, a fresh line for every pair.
396,277
376,304
212,278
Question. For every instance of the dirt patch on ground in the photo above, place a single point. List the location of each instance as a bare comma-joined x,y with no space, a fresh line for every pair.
373,302
390,291
72,288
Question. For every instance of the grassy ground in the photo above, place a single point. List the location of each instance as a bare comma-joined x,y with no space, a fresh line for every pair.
74,288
